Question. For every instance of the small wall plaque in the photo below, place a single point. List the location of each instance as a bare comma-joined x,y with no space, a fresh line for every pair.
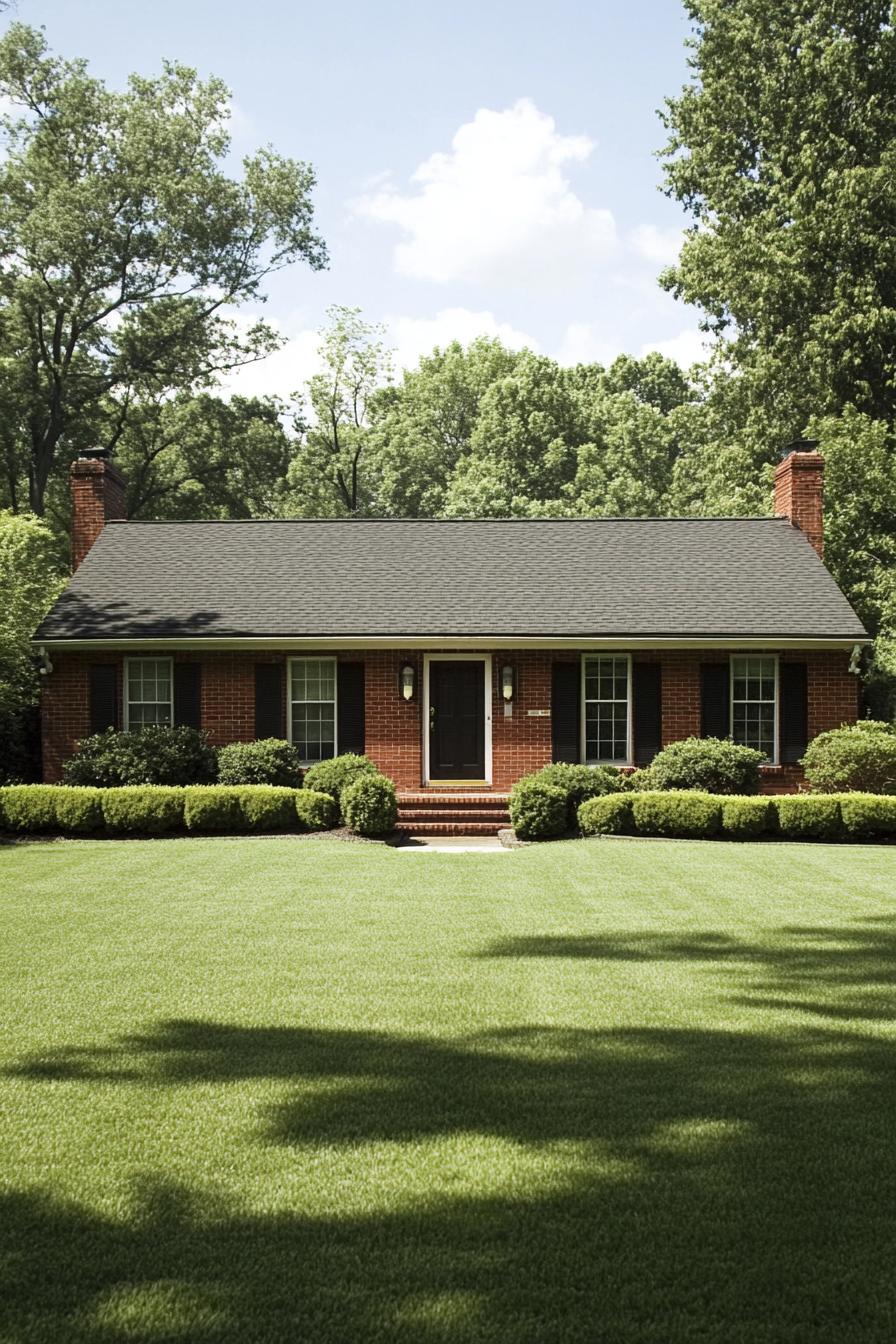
538,713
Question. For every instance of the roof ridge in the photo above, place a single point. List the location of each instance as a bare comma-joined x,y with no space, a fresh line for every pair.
613,518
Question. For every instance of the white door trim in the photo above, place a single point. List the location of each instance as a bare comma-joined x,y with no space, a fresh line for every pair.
486,660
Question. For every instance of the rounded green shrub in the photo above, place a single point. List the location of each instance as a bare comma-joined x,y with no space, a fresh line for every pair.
868,816
369,805
213,807
336,775
152,755
747,818
639,781
538,811
29,808
151,809
315,811
803,816
265,807
857,758
579,782
687,815
607,815
270,760
79,810
709,764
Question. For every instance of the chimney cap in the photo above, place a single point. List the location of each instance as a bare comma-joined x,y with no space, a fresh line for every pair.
95,454
799,446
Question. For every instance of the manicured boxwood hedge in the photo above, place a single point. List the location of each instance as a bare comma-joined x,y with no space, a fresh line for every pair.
156,809
803,816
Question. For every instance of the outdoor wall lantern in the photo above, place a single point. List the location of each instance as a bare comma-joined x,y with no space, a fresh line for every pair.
508,681
407,679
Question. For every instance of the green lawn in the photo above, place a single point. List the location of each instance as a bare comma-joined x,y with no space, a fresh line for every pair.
278,1090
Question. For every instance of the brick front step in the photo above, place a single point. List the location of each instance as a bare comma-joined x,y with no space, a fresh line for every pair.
451,827
444,812
499,815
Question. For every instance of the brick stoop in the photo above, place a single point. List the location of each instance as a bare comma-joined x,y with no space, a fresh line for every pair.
440,812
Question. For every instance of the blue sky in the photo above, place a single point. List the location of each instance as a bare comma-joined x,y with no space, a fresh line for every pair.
481,167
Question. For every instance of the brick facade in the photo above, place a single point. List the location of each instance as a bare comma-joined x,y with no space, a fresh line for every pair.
394,730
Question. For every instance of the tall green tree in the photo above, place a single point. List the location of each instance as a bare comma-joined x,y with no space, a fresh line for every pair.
30,579
783,149
125,247
325,478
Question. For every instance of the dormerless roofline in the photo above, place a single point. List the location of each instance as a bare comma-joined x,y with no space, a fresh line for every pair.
436,641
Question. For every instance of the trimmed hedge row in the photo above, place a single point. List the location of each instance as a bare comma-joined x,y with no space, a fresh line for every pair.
802,816
154,809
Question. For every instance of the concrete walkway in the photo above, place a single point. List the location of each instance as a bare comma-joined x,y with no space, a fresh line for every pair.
452,844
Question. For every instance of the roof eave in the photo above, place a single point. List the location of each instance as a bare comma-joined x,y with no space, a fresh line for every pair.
474,641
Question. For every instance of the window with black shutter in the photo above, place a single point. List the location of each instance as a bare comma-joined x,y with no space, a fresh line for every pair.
269,702
647,711
188,695
715,699
103,697
566,681
793,693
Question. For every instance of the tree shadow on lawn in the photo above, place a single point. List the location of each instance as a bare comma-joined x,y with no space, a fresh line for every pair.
711,1185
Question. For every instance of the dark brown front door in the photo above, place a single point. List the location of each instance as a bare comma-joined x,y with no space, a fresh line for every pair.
456,720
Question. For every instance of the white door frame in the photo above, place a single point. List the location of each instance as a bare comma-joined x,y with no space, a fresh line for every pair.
486,660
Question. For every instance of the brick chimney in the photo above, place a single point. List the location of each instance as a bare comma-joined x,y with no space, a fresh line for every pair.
97,496
799,489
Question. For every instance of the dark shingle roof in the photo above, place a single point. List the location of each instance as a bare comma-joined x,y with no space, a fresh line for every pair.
381,578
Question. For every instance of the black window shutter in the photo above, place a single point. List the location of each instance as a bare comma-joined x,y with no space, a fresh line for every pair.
188,695
566,679
794,711
268,700
715,700
350,708
647,711
103,697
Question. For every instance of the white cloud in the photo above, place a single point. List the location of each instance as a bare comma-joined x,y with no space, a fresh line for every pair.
688,347
412,337
657,245
283,372
498,206
582,345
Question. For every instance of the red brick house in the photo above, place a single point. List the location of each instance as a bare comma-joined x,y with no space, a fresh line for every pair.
457,654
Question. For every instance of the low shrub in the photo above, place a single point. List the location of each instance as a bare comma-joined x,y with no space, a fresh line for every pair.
266,807
858,758
336,775
369,805
747,818
316,811
709,764
213,807
868,816
29,808
151,809
270,760
580,782
639,781
538,811
607,815
79,810
689,815
151,755
804,816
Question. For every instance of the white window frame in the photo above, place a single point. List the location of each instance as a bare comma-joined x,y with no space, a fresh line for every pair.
314,658
126,708
774,759
595,656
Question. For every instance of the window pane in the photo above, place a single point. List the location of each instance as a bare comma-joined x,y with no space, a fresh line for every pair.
753,703
313,700
606,709
149,691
